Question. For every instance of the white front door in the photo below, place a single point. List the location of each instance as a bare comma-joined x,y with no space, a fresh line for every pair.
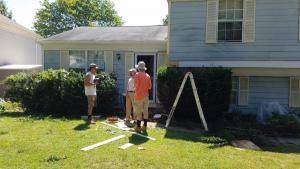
150,60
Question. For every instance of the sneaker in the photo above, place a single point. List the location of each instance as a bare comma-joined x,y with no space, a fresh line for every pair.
144,128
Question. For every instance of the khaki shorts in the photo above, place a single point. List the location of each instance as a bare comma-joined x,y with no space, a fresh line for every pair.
92,100
141,108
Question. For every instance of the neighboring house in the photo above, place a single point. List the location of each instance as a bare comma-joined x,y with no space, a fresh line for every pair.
259,40
19,49
113,49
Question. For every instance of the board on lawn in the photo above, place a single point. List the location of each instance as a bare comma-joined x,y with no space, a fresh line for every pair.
102,143
138,134
125,146
196,96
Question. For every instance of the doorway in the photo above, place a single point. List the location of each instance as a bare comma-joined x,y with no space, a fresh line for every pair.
150,60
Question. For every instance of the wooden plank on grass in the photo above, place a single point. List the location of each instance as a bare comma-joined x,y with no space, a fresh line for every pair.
102,143
138,134
125,146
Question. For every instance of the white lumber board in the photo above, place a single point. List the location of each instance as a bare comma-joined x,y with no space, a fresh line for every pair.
125,146
138,134
102,143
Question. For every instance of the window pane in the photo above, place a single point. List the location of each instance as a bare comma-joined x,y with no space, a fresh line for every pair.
221,26
51,59
234,83
229,26
237,35
229,35
238,14
95,56
77,59
222,14
222,4
230,4
230,14
233,97
237,25
238,4
221,35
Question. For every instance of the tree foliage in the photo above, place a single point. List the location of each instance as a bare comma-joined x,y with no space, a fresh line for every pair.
63,15
4,10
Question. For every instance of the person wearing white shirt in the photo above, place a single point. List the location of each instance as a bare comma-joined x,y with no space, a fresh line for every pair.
130,96
90,82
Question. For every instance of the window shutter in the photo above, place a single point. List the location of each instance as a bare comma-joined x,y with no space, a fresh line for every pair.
249,20
243,90
212,21
294,92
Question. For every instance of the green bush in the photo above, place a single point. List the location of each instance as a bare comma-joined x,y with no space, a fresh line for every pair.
213,85
283,124
58,92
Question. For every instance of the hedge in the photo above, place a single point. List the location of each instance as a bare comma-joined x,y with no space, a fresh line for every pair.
214,89
59,93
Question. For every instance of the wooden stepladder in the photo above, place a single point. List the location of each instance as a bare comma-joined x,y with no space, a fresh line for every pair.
188,74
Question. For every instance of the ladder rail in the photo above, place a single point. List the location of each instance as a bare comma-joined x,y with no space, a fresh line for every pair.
196,96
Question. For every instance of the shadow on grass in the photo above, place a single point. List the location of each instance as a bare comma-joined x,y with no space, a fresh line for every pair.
14,114
223,137
137,140
83,126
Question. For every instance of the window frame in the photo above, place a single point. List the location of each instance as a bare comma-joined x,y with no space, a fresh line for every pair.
86,58
230,20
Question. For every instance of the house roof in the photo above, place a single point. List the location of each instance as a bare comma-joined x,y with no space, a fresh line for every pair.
113,34
12,26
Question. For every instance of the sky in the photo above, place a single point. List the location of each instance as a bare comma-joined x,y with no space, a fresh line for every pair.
133,12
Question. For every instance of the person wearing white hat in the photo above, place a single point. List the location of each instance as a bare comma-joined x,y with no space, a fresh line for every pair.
130,97
142,84
90,83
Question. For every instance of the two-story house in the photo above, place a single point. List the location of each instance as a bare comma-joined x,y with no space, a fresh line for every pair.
258,39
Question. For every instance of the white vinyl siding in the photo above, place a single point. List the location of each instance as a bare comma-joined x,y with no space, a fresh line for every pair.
243,91
249,20
212,21
51,59
294,92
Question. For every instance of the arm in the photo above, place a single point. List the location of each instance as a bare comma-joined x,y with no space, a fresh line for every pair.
87,80
149,82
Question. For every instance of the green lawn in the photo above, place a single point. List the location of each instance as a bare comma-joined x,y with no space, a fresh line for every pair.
28,142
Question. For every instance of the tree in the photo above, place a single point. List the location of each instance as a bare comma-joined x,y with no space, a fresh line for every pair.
166,20
4,11
63,15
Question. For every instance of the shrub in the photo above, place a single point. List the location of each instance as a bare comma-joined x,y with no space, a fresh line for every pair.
213,85
283,124
58,92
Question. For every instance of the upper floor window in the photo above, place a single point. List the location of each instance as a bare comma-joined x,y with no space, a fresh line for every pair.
230,21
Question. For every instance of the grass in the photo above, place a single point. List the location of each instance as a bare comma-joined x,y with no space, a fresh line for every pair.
31,142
